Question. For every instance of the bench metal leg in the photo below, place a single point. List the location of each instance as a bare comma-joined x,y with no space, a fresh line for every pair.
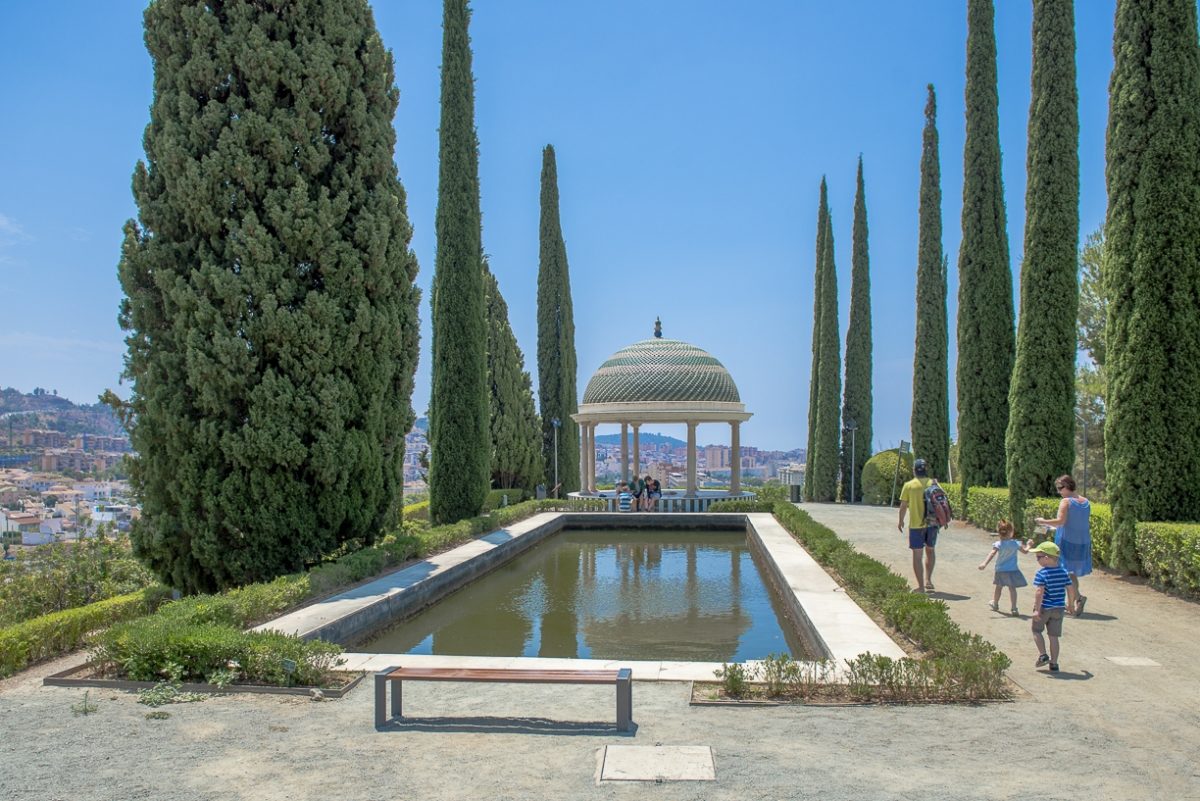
625,700
397,698
381,684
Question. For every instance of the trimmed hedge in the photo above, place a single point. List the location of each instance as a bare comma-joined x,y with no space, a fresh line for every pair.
967,664
59,633
743,506
1170,555
879,474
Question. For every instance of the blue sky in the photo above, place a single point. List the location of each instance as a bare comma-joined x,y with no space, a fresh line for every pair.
691,141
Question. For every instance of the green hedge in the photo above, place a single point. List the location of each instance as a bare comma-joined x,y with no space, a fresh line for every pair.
954,494
416,511
879,475
59,633
987,506
1170,555
967,665
755,505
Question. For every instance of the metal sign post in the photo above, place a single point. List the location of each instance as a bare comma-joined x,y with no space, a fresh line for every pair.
904,446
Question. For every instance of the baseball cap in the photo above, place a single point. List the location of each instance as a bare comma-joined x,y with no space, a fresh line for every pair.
1048,548
919,467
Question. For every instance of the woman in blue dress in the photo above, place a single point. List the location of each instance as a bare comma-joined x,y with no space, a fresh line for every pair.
1072,535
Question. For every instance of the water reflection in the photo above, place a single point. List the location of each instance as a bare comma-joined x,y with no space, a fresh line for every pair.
691,596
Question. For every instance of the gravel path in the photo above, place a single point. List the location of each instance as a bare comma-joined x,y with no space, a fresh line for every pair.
1098,731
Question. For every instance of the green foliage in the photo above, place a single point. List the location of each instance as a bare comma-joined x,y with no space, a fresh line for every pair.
826,458
881,484
772,491
269,291
814,381
1090,413
556,359
496,498
1040,441
166,693
516,440
85,707
857,400
58,633
459,441
985,312
756,505
931,395
735,679
1152,271
1170,555
987,506
416,511
64,575
1093,301
1100,524
954,494
180,648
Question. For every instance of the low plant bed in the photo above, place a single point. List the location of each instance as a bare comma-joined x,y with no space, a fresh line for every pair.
712,693
335,683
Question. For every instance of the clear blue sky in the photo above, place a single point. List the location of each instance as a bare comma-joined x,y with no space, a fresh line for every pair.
691,140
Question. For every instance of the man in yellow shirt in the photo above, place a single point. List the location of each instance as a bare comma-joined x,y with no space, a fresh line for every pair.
922,533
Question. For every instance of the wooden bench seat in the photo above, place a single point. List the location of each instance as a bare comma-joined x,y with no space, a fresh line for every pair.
623,679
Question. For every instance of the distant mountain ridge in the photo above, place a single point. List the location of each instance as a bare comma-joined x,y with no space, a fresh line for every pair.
45,410
643,439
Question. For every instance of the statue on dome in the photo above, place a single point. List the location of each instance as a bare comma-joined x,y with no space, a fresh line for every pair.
658,328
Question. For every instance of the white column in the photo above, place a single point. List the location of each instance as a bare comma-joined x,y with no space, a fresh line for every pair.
583,460
735,445
637,467
624,451
691,458
592,457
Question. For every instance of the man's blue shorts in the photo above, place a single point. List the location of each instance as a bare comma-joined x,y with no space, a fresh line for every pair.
922,537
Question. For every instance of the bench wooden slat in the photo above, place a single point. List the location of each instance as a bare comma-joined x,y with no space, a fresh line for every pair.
565,676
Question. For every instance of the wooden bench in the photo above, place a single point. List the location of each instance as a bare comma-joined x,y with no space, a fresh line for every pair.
623,679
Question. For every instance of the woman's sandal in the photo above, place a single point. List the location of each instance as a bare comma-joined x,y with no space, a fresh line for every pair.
1079,603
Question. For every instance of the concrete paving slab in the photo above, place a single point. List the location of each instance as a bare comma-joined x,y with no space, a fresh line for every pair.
658,763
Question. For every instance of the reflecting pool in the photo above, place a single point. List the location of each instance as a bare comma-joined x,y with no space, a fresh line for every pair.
695,596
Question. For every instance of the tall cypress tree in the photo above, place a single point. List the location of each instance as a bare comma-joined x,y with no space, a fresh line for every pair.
856,403
269,297
931,396
557,365
827,457
1041,424
516,433
1152,272
985,308
459,442
814,380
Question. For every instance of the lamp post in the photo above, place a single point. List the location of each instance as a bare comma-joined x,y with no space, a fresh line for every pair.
851,426
554,421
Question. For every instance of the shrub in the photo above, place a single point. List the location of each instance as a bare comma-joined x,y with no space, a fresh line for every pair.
64,575
59,633
1170,555
771,492
416,511
954,494
756,505
878,476
987,506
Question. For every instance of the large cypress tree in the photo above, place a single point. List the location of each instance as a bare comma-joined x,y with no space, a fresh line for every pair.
459,442
856,403
931,397
557,385
1041,423
516,435
269,297
985,308
827,456
814,380
1152,272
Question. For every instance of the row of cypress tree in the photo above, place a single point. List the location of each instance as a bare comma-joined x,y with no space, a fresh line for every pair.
270,301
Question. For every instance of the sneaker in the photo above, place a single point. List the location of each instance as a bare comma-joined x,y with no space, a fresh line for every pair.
994,607
1053,667
1041,660
1016,612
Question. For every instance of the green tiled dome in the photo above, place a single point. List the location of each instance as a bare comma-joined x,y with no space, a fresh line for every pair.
661,370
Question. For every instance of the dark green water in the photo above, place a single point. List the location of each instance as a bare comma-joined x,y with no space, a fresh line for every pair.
670,595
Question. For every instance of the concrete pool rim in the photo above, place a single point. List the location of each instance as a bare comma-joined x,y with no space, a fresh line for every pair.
826,618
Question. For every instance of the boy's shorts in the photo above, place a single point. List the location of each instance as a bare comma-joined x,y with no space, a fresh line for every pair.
1050,620
922,537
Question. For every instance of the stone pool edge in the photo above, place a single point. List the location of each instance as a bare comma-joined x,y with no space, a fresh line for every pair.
828,617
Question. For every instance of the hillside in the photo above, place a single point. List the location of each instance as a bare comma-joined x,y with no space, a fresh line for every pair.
42,409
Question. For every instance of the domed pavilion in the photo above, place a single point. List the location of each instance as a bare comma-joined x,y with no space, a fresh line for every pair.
659,381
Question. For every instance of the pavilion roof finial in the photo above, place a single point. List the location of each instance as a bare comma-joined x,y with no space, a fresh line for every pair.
658,328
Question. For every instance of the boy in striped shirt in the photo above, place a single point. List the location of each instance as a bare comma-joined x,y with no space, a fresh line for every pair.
1052,585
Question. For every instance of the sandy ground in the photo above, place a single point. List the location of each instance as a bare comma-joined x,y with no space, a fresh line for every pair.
1099,730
